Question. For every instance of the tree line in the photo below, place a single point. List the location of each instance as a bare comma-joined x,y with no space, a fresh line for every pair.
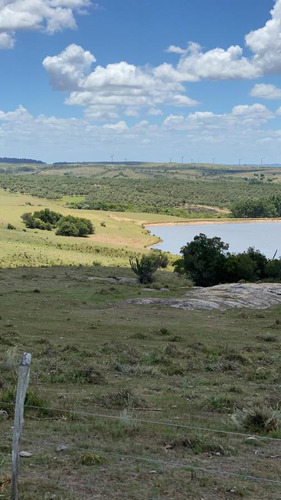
207,262
256,208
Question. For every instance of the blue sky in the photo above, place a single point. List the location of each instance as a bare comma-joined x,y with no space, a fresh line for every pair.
147,80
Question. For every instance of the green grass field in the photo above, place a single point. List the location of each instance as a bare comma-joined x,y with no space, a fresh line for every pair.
95,352
117,235
127,401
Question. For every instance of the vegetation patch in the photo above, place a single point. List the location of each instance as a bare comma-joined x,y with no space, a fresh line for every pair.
65,225
200,444
259,419
124,399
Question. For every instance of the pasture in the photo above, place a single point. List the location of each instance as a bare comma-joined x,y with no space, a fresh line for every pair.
176,384
126,400
117,235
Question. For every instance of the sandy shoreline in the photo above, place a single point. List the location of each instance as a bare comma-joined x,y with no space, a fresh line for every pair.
203,222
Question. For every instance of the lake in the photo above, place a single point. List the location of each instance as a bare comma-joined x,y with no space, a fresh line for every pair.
264,236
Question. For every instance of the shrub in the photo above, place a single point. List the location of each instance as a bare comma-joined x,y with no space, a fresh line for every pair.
146,266
259,419
10,226
124,399
74,226
66,226
43,219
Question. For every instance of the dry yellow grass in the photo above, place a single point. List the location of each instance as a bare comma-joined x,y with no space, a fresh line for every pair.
116,235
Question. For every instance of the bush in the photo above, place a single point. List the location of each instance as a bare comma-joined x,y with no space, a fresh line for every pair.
146,266
11,227
260,419
205,260
74,226
43,219
66,226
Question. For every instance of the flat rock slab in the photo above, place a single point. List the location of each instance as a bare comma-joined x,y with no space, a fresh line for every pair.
228,296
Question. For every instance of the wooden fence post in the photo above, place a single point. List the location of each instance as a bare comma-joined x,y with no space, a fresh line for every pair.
23,379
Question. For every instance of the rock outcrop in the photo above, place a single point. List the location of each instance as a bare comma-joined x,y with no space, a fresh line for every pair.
228,296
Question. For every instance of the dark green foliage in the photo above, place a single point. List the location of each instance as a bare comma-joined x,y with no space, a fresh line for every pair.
74,226
48,216
273,269
249,266
204,260
43,219
147,265
11,227
256,208
66,226
179,266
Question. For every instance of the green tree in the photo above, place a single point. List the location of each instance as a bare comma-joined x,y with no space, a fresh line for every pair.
204,260
74,226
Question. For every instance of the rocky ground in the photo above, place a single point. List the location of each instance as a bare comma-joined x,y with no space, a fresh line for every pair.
233,295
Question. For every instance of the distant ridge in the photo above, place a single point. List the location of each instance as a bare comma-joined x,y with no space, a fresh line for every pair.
21,160
98,163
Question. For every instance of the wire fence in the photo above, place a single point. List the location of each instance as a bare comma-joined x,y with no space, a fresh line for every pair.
146,421
156,461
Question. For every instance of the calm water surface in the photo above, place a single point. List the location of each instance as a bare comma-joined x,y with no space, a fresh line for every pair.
264,236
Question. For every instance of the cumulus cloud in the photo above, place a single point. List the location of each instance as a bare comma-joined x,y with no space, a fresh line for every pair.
218,64
244,129
173,49
242,120
266,91
113,88
106,92
67,70
6,41
37,15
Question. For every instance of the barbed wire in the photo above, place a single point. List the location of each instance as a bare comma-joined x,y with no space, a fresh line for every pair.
147,421
170,378
161,462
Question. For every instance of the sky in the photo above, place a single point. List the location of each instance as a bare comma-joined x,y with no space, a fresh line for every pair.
141,80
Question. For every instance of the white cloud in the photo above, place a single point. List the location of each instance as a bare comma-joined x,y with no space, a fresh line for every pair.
243,132
242,119
154,112
67,70
113,88
266,91
6,41
34,15
219,64
118,127
216,64
173,49
107,92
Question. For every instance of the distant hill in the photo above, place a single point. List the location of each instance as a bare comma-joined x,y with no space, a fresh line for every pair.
21,160
98,163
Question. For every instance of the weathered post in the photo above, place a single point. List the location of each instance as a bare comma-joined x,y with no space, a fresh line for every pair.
23,379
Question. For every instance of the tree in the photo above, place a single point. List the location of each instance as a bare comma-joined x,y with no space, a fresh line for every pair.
74,226
44,219
146,266
204,260
240,267
66,225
